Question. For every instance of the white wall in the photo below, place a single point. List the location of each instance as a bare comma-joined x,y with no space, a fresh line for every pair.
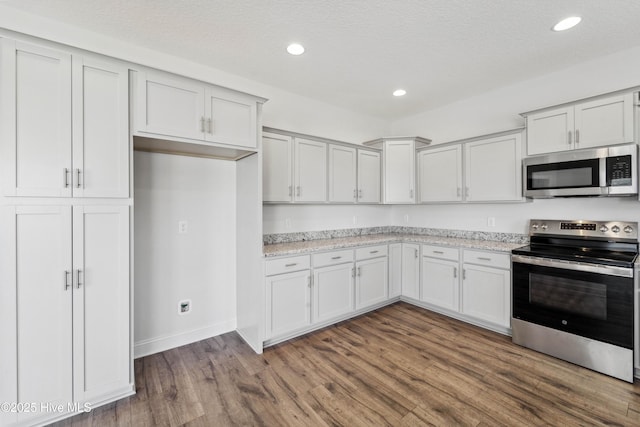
499,110
294,218
198,265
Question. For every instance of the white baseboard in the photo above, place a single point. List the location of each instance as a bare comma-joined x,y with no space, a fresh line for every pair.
156,345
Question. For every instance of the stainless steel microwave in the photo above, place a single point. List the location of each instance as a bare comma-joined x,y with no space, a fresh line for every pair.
604,171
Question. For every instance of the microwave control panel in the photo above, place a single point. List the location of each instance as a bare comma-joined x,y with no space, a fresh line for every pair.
619,171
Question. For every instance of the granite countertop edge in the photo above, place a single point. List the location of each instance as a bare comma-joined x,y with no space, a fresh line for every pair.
311,246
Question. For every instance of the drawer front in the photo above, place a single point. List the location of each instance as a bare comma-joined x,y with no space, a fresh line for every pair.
490,259
442,252
287,265
331,258
371,252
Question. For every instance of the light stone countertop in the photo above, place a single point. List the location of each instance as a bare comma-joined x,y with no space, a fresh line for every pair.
310,246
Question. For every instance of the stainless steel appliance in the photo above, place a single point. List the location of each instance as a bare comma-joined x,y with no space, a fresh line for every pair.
573,293
606,171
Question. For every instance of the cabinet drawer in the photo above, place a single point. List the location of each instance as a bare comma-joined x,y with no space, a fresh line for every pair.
286,265
371,252
331,258
491,259
441,252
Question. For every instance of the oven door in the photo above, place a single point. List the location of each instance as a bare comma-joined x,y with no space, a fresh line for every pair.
593,301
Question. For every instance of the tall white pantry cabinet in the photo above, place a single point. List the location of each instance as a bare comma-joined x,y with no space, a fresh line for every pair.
65,231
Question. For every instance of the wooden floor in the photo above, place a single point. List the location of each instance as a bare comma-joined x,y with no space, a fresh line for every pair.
400,366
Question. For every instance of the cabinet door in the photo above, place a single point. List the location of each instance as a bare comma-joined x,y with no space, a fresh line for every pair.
36,120
550,131
288,303
606,121
411,270
440,283
371,282
399,172
486,294
170,106
231,118
277,172
41,253
100,129
310,171
332,291
395,270
342,174
369,167
494,169
101,339
440,174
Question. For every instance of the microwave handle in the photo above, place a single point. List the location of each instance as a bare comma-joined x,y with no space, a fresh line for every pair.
602,172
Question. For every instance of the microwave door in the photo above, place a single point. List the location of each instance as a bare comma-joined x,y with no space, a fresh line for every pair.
565,179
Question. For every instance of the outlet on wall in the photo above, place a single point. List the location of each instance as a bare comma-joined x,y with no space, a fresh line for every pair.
355,220
287,223
184,307
406,218
491,221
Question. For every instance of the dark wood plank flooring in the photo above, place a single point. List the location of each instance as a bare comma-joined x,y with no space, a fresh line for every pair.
399,366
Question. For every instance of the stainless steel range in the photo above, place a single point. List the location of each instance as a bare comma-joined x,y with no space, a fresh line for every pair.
573,293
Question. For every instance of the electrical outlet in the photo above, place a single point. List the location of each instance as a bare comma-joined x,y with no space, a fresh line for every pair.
287,223
406,218
184,307
183,227
355,220
491,221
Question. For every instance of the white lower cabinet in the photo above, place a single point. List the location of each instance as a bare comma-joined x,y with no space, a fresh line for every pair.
333,291
411,270
440,283
371,282
288,302
70,277
395,270
486,290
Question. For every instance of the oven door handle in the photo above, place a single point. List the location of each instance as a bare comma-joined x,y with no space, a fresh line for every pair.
576,266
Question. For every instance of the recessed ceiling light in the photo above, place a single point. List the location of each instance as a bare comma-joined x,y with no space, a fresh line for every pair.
295,49
399,92
567,23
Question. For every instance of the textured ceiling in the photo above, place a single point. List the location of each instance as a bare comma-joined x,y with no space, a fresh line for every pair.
359,51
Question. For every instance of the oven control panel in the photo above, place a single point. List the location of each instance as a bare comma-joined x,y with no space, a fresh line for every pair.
583,228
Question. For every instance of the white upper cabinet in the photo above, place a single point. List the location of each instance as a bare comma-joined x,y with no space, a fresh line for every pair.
484,169
369,176
35,121
54,145
440,174
342,174
277,170
602,121
310,168
100,129
493,170
178,107
399,171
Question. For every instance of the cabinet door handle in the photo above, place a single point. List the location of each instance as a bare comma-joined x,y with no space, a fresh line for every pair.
466,190
458,191
298,191
290,191
309,281
438,252
353,272
415,253
336,257
411,193
291,265
210,126
65,176
202,124
78,282
78,173
455,272
358,271
480,258
67,274
355,194
577,136
360,193
569,138
464,274
373,252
